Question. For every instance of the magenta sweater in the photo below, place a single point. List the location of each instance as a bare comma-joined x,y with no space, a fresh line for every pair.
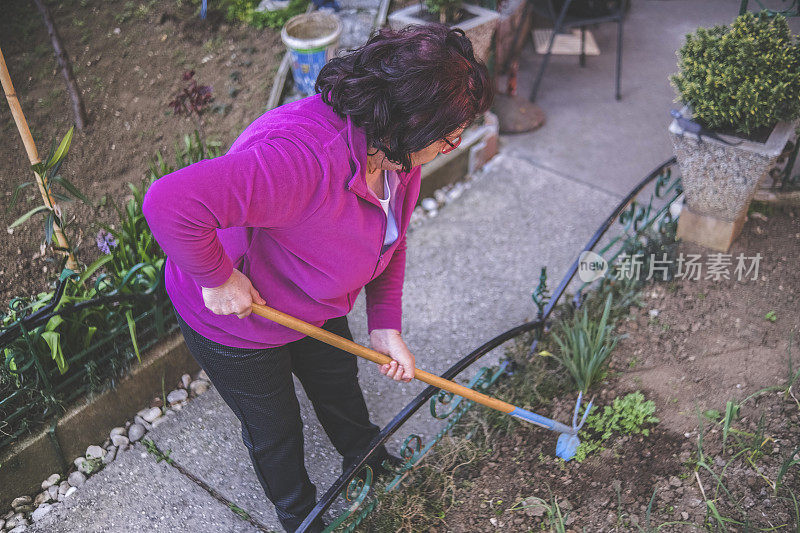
288,205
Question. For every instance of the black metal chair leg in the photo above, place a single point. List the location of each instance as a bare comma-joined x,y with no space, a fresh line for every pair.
617,95
583,46
556,28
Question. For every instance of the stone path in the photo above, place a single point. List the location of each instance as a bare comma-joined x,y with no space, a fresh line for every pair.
470,274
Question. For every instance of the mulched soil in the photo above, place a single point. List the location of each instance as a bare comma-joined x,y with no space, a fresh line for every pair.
129,58
693,346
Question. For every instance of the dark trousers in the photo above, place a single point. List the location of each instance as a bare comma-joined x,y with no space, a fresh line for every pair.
257,385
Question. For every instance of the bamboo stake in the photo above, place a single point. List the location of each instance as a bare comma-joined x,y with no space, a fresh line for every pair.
33,156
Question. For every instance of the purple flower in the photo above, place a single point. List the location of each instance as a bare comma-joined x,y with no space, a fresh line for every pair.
106,242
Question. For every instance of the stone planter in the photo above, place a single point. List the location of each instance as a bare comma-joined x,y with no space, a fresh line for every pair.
479,29
720,181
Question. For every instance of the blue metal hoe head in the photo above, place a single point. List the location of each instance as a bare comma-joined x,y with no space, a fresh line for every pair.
568,442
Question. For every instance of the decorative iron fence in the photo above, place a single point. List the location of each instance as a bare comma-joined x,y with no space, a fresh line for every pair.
69,343
129,315
636,219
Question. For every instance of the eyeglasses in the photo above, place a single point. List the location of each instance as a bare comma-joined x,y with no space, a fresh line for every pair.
451,145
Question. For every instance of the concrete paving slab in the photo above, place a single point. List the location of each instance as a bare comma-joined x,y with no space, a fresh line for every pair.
205,439
135,494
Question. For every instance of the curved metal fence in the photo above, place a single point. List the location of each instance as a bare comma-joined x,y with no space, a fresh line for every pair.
355,484
65,345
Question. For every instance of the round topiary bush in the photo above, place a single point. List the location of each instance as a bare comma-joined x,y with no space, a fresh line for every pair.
741,77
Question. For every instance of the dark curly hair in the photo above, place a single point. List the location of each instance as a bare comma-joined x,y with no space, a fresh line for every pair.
409,88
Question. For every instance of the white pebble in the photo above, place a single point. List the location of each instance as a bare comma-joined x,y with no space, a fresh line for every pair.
95,452
135,432
152,414
185,380
429,204
22,500
76,479
177,396
111,455
120,440
70,492
198,387
116,431
49,482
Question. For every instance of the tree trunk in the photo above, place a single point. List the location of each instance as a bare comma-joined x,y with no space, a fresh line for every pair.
66,69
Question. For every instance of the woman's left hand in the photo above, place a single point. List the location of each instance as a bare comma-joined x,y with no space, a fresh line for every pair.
389,342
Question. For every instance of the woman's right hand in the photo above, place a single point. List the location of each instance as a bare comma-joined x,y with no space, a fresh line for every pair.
234,297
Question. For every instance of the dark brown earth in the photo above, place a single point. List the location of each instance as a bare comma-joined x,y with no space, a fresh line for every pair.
709,342
127,80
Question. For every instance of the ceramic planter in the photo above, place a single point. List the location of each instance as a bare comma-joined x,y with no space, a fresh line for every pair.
478,29
720,180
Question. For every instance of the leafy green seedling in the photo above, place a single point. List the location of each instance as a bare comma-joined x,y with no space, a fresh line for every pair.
627,415
772,316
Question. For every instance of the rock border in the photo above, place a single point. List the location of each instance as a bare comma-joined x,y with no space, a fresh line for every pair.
57,488
52,449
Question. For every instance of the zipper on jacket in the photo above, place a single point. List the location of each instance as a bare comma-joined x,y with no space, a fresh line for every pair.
380,245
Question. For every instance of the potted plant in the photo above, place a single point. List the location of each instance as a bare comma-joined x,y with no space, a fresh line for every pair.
740,86
478,23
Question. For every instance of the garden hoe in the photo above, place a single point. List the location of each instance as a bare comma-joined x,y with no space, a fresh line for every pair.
567,440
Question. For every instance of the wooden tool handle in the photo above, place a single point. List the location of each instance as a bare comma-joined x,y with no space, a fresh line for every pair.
377,357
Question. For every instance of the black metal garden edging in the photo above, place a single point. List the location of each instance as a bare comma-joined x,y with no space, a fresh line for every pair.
149,291
633,217
135,307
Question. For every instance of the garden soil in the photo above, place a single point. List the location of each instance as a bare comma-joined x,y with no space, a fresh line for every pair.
692,347
129,58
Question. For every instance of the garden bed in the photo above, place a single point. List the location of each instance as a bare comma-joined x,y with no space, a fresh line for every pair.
128,58
720,457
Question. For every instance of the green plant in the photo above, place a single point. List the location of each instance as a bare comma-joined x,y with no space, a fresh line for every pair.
741,77
47,175
772,316
153,449
194,150
241,513
584,345
245,11
430,491
446,9
627,415
793,459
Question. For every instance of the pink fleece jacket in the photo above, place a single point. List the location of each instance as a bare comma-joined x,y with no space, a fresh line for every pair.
288,205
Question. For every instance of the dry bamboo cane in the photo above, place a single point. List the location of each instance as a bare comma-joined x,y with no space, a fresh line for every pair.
33,156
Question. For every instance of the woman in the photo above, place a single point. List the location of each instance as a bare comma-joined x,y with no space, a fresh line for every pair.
310,205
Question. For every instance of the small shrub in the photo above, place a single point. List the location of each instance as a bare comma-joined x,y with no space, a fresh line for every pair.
245,11
628,415
741,77
193,98
446,9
